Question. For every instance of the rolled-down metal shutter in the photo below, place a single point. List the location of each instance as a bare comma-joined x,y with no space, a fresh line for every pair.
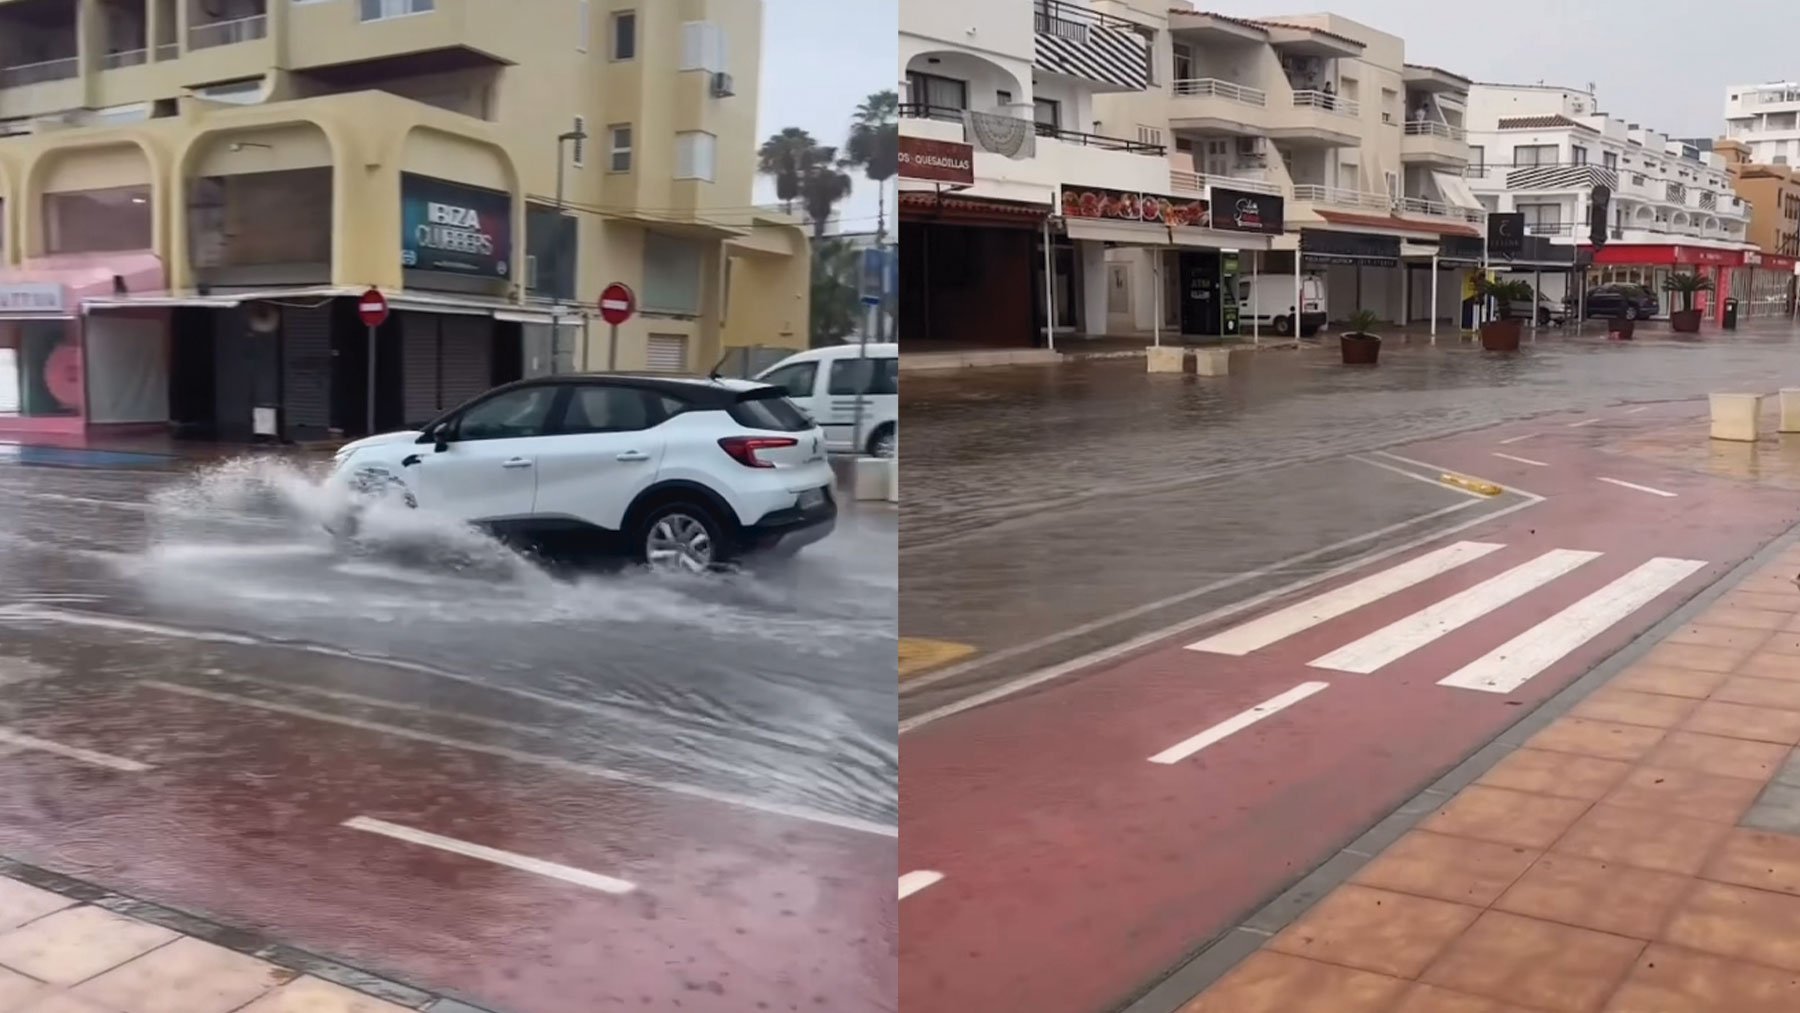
419,366
306,371
667,353
466,358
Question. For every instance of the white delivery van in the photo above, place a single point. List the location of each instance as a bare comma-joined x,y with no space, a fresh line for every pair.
1269,300
829,382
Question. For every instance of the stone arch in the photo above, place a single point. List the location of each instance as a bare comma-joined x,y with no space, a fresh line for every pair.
32,184
984,76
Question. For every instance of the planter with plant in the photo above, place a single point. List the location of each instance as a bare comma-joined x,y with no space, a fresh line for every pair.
1359,343
1510,299
1685,284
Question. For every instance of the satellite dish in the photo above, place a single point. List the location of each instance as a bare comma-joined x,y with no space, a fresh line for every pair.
262,317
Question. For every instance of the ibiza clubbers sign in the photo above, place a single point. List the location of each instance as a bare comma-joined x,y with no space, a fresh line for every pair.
451,228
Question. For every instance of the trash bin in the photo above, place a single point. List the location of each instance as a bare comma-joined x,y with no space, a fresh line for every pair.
1730,314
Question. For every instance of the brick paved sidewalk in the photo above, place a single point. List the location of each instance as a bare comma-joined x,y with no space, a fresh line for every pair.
1640,854
58,955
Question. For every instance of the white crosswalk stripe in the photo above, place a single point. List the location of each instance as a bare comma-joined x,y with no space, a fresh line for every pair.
1501,670
1277,626
1515,662
1399,639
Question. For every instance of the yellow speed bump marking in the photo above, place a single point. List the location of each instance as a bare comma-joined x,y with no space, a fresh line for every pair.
919,655
1474,485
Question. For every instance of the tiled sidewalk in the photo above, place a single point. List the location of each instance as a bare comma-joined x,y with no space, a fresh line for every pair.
58,955
1641,854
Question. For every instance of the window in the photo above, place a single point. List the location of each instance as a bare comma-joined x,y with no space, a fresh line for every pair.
1610,159
619,136
1534,154
514,414
1478,157
578,146
1541,216
773,413
671,274
378,10
703,47
624,35
938,92
865,376
1048,113
584,16
1003,98
1577,154
1184,62
666,353
596,409
797,380
696,155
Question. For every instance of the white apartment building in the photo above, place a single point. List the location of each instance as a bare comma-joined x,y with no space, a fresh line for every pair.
1541,150
1765,118
1017,80
1366,151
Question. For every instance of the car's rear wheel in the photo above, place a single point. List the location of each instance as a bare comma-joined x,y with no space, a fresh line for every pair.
885,441
1284,326
1630,312
1543,316
682,538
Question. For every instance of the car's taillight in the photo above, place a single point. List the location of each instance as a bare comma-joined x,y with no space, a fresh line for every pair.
743,448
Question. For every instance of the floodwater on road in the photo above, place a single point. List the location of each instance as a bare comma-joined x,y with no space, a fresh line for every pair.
773,683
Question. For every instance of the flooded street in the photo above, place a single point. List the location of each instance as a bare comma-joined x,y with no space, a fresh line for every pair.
725,746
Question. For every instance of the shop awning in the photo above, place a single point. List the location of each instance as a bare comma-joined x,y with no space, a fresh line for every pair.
1151,234
1456,191
1319,246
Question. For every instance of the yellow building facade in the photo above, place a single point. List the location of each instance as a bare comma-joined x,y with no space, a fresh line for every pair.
194,194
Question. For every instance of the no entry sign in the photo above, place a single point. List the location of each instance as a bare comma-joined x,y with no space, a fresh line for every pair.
373,308
617,303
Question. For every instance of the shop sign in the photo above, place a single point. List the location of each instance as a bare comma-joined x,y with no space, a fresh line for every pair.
454,229
31,297
1134,206
1777,262
1506,233
937,161
1319,248
1243,211
1702,255
1655,254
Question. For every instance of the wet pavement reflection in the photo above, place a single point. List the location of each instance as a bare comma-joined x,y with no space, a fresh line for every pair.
727,744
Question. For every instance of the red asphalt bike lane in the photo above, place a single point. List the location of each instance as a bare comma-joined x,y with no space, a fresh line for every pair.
1076,871
240,820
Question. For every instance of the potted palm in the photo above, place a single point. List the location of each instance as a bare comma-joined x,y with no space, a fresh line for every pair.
1510,298
1359,343
1685,284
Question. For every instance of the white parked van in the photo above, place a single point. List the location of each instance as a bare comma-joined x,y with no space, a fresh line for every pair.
1269,300
829,382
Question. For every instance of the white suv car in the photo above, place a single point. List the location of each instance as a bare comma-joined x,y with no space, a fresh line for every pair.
675,472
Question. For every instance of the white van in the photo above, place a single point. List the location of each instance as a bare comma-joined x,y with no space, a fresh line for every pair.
829,382
1269,300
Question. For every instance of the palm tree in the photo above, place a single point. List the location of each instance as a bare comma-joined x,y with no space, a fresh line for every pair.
874,144
784,156
822,185
835,307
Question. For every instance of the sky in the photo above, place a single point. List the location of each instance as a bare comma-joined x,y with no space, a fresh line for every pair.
1662,63
820,60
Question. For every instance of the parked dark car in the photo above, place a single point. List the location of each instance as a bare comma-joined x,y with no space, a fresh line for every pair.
1623,301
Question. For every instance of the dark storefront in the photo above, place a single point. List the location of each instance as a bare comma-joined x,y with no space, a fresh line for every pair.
970,272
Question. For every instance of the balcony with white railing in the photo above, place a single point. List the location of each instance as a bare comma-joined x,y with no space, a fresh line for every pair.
228,33
1210,103
124,58
1429,207
1320,118
39,72
1184,181
1340,197
1432,142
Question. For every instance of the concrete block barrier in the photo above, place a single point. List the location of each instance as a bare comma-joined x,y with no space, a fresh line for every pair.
1734,416
1790,410
876,478
1168,359
1212,361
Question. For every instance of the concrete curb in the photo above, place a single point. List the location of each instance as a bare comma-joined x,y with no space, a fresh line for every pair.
248,943
1213,959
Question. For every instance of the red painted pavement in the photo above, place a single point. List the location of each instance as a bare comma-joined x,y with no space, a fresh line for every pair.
1076,871
735,910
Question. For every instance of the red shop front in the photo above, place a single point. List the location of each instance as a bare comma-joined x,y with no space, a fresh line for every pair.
57,378
1650,264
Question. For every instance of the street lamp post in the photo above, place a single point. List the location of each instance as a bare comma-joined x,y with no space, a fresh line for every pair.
576,135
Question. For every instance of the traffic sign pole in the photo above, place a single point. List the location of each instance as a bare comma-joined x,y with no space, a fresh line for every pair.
617,304
373,309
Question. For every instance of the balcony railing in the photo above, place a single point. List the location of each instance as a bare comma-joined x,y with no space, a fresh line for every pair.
927,111
1439,209
1204,87
1306,98
1339,197
37,73
124,58
1549,228
1055,132
226,33
1197,182
1432,128
1064,19
167,51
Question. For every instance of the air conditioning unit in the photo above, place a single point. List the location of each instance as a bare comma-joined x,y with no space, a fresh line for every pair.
721,85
